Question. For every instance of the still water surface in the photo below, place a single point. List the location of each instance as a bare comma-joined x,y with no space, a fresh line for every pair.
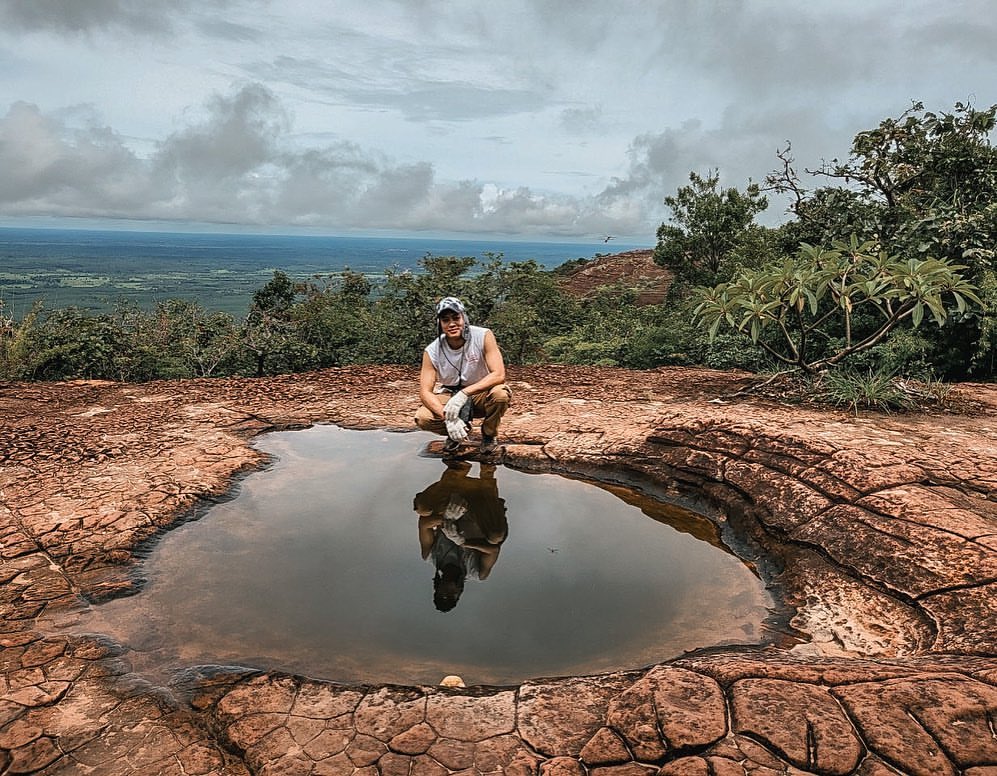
324,565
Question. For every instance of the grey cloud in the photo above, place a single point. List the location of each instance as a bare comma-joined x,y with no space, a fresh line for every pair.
241,133
224,29
236,166
582,121
50,168
452,101
762,50
765,51
742,149
345,185
83,16
771,53
972,40
74,16
416,97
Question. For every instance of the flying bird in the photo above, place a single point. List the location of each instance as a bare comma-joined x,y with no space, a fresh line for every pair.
607,238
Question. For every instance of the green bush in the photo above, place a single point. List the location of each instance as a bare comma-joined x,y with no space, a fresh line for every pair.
876,390
577,349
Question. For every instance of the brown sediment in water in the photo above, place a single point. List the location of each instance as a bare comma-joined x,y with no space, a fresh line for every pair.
881,530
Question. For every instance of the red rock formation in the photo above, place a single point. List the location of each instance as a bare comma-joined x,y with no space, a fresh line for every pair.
881,531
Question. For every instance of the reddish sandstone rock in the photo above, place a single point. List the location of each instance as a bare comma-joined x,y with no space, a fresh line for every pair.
496,755
636,269
722,766
559,717
691,708
887,540
426,766
967,619
934,724
415,740
562,766
922,559
323,700
686,766
389,711
328,743
803,722
605,748
455,755
630,769
264,694
632,714
471,718
669,709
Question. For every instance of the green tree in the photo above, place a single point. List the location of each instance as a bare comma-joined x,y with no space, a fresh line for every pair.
268,333
335,321
71,343
190,341
16,351
712,230
923,184
824,306
405,310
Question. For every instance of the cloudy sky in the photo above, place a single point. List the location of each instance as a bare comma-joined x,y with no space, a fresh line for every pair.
533,118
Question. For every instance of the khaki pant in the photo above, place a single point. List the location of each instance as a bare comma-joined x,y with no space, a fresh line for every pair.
490,405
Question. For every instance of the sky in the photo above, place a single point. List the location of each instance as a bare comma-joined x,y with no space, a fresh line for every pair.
533,119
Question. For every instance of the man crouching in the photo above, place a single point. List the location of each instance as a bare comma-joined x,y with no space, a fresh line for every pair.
462,376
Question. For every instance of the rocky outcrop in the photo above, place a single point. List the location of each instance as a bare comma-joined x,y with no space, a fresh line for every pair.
880,532
630,269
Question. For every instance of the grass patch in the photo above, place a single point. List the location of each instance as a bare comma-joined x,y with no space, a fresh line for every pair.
871,390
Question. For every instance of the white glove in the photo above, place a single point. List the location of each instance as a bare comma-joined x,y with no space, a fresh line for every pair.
450,531
456,429
455,509
452,409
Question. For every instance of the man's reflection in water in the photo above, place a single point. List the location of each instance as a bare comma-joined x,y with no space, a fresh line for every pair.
462,525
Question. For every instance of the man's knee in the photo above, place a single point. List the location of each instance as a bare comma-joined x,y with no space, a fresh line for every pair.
425,419
500,394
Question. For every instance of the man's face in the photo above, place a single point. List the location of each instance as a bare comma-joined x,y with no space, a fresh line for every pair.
451,323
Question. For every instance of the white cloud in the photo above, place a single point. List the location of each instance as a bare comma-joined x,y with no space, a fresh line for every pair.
533,117
236,166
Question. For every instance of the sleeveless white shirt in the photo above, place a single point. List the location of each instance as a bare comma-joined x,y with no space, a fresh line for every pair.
463,366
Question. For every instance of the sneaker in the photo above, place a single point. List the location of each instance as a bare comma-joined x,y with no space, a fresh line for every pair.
451,446
488,444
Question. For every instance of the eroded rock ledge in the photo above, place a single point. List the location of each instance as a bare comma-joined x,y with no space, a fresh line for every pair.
882,533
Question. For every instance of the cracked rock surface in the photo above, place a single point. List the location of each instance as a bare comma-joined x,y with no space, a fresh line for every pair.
878,532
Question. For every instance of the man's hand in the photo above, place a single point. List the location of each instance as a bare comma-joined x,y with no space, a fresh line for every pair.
451,411
450,531
456,429
456,508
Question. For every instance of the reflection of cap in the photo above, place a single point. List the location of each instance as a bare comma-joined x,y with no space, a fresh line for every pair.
449,303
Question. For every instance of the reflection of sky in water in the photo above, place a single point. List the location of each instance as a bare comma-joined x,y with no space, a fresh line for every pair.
316,568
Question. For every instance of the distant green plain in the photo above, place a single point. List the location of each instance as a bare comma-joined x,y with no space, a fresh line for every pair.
101,290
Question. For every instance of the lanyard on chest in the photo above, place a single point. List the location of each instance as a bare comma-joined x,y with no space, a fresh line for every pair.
459,366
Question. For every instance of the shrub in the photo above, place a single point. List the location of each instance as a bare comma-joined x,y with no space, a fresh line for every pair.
875,390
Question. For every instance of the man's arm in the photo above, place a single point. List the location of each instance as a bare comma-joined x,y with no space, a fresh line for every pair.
489,554
495,364
427,381
427,533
